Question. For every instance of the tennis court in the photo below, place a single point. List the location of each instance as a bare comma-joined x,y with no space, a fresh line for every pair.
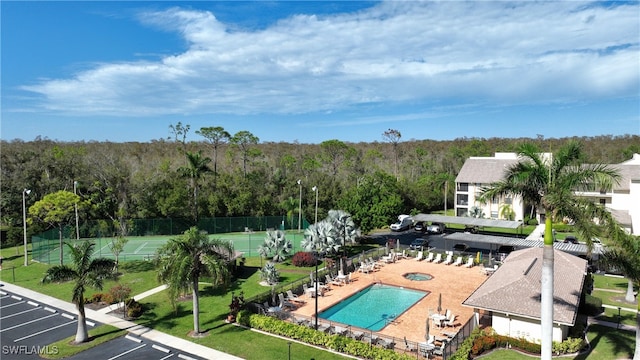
144,247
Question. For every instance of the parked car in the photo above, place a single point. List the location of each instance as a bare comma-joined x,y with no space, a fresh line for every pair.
570,239
461,247
419,243
436,228
419,226
404,222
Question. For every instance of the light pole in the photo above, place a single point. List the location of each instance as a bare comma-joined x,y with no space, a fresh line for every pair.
75,185
316,286
25,192
289,343
300,207
315,188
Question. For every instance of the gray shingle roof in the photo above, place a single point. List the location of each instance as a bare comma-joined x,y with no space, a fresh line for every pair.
483,170
515,287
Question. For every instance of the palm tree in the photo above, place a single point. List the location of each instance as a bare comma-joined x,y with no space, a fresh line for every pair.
345,227
321,238
624,254
85,272
197,167
275,242
183,260
548,183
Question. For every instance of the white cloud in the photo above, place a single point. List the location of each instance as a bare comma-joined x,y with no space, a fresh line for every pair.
395,52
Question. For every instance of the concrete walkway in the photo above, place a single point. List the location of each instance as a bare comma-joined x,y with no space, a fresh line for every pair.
141,331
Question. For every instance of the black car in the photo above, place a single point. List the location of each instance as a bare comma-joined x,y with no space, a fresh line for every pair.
419,243
461,247
419,227
570,239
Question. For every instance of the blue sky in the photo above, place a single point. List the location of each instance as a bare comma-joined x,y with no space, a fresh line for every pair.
314,71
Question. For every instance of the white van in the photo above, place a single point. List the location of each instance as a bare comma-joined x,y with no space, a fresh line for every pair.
404,222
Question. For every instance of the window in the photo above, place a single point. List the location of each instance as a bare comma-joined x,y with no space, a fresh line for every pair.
463,186
462,199
603,201
494,200
508,200
494,214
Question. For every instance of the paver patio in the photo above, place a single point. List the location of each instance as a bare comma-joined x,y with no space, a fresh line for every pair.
455,283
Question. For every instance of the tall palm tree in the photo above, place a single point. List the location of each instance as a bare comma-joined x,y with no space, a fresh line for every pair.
197,167
624,254
548,183
183,260
85,272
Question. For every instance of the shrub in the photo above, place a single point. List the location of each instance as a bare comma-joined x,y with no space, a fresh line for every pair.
303,259
95,298
119,292
134,308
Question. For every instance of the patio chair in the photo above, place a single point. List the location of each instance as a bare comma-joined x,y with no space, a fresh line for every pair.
448,260
447,313
451,321
430,257
420,256
458,261
339,330
469,262
284,304
293,297
438,259
333,281
408,347
439,350
385,343
357,335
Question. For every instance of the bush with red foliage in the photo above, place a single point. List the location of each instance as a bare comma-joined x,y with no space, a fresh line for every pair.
303,259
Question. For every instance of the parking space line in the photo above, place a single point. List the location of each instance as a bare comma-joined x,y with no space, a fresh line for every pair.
27,323
16,303
166,357
126,352
43,331
18,313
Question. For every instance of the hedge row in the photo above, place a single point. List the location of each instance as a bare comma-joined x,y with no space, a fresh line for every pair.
311,336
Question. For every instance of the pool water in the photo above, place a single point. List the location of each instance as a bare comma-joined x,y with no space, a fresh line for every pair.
418,276
374,307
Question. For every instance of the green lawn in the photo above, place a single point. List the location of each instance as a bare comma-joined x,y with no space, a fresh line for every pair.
606,344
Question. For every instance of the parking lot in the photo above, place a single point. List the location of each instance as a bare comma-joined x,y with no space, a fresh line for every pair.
28,327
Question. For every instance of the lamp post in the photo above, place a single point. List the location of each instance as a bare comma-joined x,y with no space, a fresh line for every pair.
75,185
316,287
300,207
315,188
289,343
25,192
619,308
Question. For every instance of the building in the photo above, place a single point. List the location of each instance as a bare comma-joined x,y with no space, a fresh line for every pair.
511,296
623,200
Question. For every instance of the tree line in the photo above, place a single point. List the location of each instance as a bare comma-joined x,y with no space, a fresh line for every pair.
226,175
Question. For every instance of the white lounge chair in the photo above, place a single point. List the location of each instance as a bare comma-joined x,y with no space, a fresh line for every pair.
438,259
284,304
430,257
448,260
469,262
420,256
293,297
458,261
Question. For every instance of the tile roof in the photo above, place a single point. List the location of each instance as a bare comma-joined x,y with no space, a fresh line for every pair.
515,287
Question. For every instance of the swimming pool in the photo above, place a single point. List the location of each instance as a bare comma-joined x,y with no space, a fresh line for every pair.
373,307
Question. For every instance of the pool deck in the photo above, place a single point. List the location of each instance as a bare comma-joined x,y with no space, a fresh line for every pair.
455,283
